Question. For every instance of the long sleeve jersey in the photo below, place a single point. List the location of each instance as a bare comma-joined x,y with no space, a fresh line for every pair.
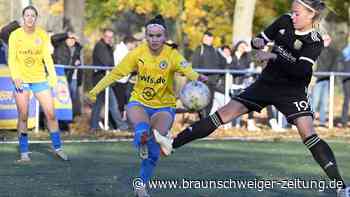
28,55
296,53
155,75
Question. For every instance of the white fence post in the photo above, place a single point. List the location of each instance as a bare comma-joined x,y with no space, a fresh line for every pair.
228,84
106,117
331,101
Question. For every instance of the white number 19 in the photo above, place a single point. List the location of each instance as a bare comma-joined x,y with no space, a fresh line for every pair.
302,105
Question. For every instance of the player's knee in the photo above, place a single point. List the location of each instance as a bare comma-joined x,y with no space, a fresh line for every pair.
23,117
51,116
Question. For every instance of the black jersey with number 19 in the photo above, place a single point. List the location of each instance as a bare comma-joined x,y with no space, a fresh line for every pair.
296,53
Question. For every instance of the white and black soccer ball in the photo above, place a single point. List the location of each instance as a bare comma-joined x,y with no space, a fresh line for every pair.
195,95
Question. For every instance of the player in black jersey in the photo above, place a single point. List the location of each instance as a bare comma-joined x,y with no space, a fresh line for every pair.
283,83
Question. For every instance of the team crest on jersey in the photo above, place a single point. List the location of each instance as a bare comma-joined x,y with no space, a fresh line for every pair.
282,31
38,41
163,64
184,63
297,44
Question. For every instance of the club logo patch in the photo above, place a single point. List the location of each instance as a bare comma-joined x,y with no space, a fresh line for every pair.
297,44
38,41
163,64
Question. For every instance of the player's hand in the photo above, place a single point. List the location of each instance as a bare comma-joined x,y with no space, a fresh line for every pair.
202,78
263,56
52,80
18,85
258,43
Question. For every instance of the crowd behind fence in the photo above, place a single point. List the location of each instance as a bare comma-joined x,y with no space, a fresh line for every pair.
228,84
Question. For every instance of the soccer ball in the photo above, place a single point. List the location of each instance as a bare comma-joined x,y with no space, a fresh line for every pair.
195,95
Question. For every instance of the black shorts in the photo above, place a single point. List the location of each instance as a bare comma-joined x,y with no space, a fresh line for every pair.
293,102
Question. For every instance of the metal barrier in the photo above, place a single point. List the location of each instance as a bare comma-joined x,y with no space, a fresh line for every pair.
228,81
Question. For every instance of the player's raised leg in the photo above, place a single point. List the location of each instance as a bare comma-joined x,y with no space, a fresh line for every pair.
202,128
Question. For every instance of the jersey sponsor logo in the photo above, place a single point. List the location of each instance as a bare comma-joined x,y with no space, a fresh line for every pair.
184,63
148,93
284,54
152,80
163,64
297,44
29,52
29,61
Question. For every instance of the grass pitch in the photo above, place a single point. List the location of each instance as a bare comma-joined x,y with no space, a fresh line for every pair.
107,169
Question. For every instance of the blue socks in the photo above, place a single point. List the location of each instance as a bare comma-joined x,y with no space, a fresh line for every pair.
148,165
23,143
140,128
56,140
24,146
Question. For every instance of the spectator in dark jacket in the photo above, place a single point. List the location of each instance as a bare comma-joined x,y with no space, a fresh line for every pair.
67,51
3,59
208,57
4,38
102,55
327,62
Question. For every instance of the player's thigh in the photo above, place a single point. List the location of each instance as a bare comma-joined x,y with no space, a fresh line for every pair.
46,102
162,121
137,114
232,110
22,102
294,106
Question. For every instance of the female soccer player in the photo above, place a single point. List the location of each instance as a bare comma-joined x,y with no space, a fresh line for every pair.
152,103
283,83
28,48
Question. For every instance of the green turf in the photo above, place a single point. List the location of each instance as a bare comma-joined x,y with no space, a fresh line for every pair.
107,169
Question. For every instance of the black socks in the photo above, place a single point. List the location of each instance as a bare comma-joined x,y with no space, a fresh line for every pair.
200,129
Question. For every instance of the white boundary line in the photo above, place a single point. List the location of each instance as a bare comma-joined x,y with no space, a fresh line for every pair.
242,139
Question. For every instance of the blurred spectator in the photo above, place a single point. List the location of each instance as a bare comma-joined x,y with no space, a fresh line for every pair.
242,60
4,38
7,29
208,57
102,55
345,62
219,94
121,86
3,59
327,62
67,51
